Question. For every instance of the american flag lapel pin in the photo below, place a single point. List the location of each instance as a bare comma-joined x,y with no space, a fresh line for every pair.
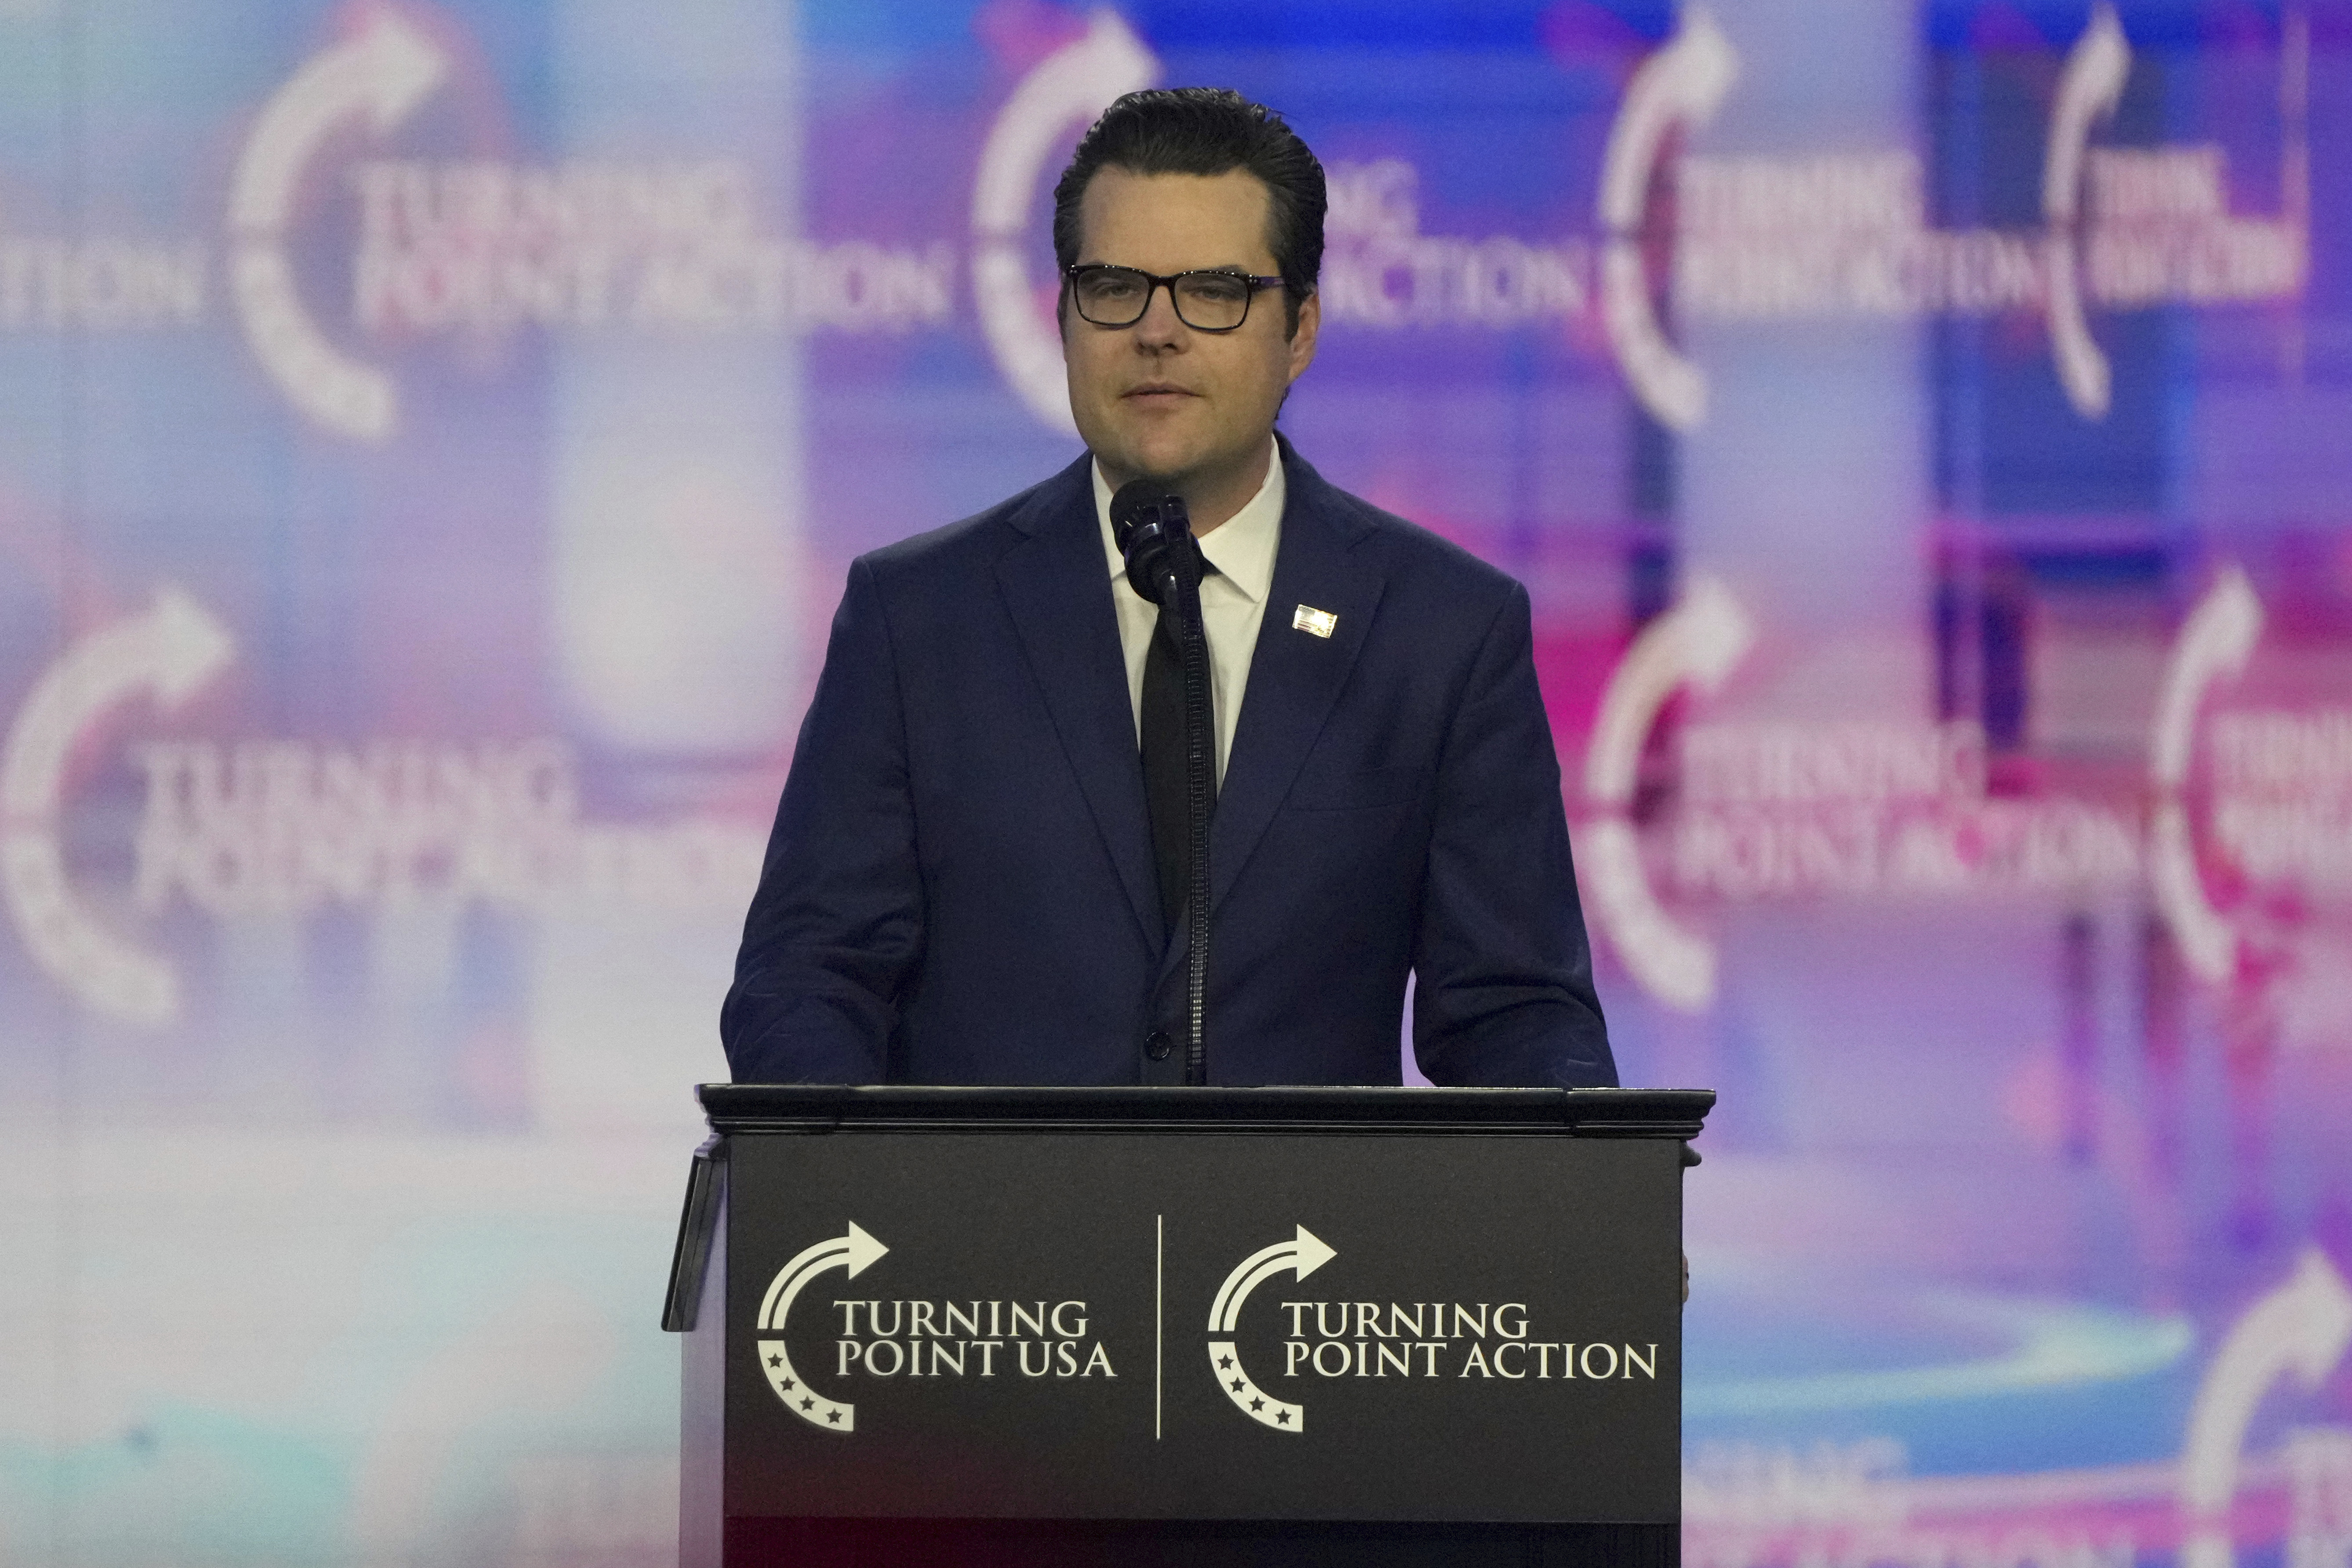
1320,623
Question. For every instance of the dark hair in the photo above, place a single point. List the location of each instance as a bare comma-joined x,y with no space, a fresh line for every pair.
1206,131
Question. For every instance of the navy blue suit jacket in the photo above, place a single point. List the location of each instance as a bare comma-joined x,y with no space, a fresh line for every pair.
960,887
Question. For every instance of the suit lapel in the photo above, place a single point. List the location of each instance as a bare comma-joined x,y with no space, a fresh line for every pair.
1057,589
1295,677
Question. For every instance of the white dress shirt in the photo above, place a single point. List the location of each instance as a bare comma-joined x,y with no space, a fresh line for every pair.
1232,602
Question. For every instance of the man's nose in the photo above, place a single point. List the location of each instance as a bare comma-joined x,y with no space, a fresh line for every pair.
1161,325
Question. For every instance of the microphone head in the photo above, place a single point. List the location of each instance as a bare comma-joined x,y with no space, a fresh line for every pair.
1154,532
1151,507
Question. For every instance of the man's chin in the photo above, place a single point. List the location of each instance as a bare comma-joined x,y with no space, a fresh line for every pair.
1169,471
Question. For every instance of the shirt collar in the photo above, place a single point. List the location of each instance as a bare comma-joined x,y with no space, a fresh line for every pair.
1242,548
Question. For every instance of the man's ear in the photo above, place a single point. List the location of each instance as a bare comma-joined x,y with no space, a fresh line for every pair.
1302,339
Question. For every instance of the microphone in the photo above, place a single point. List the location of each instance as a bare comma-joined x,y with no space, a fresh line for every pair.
1154,531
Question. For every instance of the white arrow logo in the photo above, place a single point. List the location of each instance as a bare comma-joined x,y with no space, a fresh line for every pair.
2215,643
1697,643
856,1252
2088,89
172,651
1678,88
1303,1256
382,74
1069,88
2303,1327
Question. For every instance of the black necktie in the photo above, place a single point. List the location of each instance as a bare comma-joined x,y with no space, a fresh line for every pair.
1163,762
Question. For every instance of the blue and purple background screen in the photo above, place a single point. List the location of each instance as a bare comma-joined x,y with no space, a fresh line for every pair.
432,440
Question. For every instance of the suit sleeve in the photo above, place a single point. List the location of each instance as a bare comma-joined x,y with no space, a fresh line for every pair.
1503,994
836,927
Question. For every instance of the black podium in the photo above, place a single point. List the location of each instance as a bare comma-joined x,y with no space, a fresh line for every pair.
1201,1326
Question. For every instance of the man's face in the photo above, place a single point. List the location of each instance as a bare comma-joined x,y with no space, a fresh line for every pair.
1158,399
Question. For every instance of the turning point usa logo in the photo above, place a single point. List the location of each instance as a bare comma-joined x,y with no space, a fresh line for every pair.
888,1339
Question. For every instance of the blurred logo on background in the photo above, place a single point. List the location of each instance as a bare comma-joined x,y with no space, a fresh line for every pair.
289,827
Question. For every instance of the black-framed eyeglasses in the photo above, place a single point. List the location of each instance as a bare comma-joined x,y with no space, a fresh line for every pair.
1212,301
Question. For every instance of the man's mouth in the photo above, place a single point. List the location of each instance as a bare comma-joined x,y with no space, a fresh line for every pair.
1158,392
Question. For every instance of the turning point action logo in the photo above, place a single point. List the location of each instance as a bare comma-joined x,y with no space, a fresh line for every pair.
1774,810
481,246
267,826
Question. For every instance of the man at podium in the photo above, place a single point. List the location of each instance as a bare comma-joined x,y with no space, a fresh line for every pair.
974,876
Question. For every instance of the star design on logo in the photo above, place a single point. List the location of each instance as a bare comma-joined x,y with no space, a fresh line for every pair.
808,1404
834,1417
789,1384
1258,1405
1225,1364
775,1361
1282,1417
1237,1386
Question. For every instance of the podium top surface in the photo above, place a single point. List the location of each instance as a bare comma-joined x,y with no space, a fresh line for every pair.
735,1108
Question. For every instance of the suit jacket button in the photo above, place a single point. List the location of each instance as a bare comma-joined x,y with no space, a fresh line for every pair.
1158,1046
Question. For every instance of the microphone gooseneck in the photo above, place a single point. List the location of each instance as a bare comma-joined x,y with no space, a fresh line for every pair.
1154,532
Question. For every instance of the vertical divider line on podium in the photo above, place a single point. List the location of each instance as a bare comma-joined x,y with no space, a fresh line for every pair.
1159,1319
